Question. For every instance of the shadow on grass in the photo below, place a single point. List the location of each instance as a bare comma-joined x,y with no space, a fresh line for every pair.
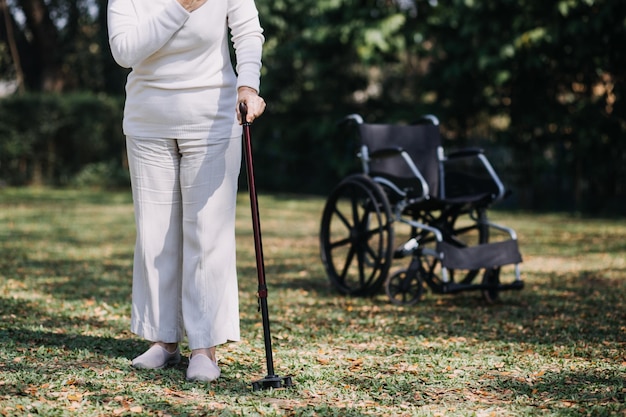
65,236
584,309
64,197
571,313
567,388
113,387
274,277
51,366
108,279
23,340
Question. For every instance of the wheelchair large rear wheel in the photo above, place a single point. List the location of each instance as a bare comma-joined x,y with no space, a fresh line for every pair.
356,236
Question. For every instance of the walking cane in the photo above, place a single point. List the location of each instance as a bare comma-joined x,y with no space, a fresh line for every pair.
271,380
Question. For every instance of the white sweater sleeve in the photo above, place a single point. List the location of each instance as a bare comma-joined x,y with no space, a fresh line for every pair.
247,38
132,39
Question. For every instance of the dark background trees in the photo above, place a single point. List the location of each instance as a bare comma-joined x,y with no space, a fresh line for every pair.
539,84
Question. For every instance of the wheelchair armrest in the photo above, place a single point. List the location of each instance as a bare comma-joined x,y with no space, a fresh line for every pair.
464,153
479,155
386,152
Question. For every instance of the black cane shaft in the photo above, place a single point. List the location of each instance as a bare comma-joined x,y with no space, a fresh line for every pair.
258,246
269,357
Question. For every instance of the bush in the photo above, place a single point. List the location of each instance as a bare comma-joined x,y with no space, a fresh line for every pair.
48,139
106,174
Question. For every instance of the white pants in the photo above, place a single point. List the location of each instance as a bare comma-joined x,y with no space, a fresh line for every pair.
184,275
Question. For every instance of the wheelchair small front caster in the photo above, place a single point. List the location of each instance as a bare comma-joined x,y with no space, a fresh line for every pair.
491,278
404,288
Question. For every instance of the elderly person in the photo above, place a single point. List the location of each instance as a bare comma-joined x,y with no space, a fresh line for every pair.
183,138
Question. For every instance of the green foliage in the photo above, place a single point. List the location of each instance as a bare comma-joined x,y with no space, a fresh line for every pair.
543,79
48,139
538,80
322,61
105,174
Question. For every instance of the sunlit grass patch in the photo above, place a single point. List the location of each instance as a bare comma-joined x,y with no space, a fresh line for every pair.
555,348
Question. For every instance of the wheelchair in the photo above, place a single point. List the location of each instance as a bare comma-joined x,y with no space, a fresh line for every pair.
435,204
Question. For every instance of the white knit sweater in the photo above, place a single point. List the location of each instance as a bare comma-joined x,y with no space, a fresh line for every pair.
182,84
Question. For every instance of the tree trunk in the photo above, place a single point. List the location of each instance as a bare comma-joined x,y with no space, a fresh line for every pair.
10,38
45,42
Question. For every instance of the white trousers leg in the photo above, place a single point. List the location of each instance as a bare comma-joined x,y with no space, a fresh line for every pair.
184,274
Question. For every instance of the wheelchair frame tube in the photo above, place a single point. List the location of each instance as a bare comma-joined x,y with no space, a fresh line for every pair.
508,230
365,158
386,182
417,173
493,174
438,236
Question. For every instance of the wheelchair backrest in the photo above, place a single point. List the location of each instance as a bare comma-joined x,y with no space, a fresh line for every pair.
421,142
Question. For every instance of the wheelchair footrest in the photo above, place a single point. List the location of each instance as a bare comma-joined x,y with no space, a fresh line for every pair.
488,255
453,287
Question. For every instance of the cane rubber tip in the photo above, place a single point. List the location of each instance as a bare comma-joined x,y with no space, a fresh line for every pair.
272,381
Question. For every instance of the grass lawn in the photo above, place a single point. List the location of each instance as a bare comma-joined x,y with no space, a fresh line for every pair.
556,348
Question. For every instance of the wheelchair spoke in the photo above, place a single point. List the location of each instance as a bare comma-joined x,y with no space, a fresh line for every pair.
373,252
347,240
349,229
343,218
463,230
346,266
361,265
356,236
355,212
340,243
